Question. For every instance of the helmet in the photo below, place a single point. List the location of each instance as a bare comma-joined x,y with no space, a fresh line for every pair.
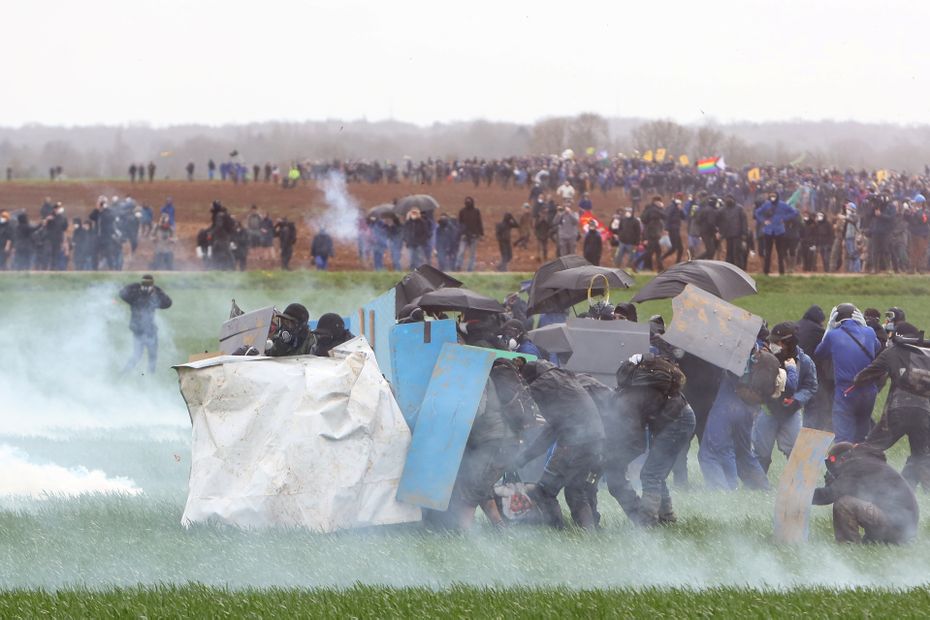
895,315
845,311
783,331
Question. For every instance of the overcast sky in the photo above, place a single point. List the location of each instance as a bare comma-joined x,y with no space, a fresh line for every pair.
168,62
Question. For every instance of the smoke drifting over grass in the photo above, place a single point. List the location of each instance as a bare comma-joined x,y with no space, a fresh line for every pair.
24,478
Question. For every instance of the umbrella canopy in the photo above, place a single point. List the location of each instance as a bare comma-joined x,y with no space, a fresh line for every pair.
422,280
423,202
381,210
580,278
458,300
718,278
543,299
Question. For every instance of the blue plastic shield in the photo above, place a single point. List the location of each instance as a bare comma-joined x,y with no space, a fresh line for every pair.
415,347
443,425
376,320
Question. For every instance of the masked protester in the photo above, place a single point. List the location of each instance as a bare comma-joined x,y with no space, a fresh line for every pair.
290,334
818,410
867,494
851,346
330,332
782,419
907,363
893,316
574,424
144,298
648,403
513,337
505,409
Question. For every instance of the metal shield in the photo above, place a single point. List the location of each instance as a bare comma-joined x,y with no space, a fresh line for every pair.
249,329
415,347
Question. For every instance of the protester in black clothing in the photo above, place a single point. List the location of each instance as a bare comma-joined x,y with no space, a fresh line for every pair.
674,216
733,226
573,422
593,245
502,233
23,243
322,249
653,219
706,220
240,246
867,493
818,412
330,332
144,298
907,412
286,232
222,229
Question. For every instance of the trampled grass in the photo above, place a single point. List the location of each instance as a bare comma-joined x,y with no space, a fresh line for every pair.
63,401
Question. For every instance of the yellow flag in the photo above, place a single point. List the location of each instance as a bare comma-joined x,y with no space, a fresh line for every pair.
660,154
647,156
754,175
589,150
881,175
683,160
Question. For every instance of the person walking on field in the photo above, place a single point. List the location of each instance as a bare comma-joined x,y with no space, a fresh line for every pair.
471,230
144,298
566,226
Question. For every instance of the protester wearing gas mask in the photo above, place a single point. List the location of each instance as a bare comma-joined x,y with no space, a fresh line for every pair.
330,332
290,333
781,420
144,298
867,493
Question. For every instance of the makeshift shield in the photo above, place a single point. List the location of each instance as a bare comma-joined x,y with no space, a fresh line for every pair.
249,330
444,422
598,347
375,322
415,347
797,483
712,329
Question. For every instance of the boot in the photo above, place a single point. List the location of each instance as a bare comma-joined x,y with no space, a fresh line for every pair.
649,509
666,512
548,506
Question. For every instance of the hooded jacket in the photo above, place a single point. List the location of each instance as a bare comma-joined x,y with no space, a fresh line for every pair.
840,344
772,216
863,473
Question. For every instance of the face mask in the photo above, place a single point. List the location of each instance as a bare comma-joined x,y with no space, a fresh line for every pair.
889,326
146,289
775,348
628,214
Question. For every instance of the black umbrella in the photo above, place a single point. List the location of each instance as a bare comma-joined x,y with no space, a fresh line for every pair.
458,300
544,299
381,210
423,202
718,278
418,282
580,279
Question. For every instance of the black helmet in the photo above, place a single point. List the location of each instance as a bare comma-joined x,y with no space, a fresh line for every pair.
783,331
330,324
895,315
845,311
837,453
297,313
626,311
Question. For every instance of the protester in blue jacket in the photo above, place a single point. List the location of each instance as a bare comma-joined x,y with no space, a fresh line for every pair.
771,216
851,345
782,421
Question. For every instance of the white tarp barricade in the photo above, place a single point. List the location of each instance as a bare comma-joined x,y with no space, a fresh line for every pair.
295,441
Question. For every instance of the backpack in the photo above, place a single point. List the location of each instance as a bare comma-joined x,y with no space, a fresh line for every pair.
759,383
916,377
652,372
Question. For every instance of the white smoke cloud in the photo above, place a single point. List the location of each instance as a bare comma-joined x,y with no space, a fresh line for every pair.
341,216
23,478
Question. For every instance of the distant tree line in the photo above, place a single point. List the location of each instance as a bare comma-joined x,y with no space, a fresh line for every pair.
107,151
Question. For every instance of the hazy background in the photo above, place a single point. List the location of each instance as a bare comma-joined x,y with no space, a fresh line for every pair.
95,85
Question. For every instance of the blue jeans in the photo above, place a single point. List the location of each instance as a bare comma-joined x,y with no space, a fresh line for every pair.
663,451
771,428
143,342
396,251
622,250
417,256
726,454
852,413
853,262
377,258
321,262
470,246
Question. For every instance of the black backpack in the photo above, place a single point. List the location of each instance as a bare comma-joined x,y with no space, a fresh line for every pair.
652,372
916,377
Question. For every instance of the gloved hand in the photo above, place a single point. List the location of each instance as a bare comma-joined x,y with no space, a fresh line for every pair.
791,363
858,318
787,402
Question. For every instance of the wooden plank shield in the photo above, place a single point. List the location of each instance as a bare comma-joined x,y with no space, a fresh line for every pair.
797,483
443,424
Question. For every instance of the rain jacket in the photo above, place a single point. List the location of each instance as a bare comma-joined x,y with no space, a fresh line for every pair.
848,357
776,214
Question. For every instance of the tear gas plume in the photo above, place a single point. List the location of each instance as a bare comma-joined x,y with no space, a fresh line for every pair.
24,478
340,219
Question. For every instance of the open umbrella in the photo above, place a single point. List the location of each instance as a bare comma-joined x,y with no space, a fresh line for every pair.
415,284
458,300
579,279
543,299
423,202
718,278
381,210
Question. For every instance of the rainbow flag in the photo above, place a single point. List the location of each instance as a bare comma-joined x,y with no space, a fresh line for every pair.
707,166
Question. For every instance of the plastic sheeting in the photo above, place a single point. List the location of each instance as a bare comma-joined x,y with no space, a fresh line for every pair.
295,441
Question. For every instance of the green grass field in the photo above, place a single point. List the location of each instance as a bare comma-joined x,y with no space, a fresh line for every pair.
63,402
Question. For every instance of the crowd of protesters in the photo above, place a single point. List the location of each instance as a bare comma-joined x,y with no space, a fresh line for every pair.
793,218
